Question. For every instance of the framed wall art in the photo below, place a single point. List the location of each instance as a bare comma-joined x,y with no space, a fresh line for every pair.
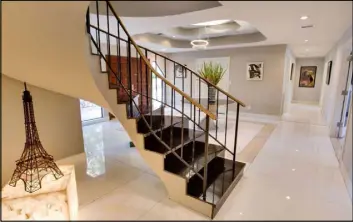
328,75
254,70
307,76
180,71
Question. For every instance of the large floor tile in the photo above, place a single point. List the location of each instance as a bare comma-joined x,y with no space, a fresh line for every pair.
169,210
129,202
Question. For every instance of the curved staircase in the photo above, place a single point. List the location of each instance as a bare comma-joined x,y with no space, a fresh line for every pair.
169,127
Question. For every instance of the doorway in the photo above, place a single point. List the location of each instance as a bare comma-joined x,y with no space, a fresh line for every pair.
157,87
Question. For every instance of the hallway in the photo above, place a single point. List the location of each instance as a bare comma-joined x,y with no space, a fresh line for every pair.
294,176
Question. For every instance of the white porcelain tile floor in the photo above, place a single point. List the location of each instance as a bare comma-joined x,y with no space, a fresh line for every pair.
295,176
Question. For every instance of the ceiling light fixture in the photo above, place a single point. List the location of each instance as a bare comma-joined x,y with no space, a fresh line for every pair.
306,40
199,44
210,23
304,17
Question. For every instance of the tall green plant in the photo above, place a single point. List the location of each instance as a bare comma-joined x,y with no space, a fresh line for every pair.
212,72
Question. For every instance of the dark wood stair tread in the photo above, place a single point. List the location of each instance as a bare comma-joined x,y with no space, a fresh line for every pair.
196,158
158,122
174,142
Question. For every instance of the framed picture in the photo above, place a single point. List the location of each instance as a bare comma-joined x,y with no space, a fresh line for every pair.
328,75
307,76
254,71
291,72
180,71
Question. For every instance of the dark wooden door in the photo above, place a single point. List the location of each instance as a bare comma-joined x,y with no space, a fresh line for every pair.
140,79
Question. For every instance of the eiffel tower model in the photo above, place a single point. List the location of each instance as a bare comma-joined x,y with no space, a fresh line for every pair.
35,162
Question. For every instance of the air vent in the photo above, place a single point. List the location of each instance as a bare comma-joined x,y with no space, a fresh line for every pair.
307,26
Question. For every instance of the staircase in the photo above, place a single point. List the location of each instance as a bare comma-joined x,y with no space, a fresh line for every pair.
185,138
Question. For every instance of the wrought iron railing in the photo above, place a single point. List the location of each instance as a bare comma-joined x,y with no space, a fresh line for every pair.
129,65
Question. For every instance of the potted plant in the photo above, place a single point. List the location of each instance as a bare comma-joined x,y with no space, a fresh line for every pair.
213,73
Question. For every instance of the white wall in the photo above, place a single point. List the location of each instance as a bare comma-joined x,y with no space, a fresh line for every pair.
347,156
45,44
308,95
58,122
331,100
264,97
288,84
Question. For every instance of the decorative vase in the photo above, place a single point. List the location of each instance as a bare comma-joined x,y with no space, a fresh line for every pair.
211,94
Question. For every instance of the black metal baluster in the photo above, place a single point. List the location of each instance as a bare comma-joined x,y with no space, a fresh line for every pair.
138,82
199,97
147,84
182,129
223,183
217,113
88,22
235,139
173,106
206,158
151,107
193,139
165,75
99,41
172,125
119,55
108,41
226,127
191,93
130,75
156,93
174,83
141,91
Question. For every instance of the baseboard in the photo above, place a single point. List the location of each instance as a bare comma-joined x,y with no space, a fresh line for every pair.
306,102
94,121
265,118
338,152
346,179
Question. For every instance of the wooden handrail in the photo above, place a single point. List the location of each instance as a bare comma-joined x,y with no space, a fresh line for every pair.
191,100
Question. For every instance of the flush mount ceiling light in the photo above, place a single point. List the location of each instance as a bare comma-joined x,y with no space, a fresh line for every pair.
199,44
210,23
304,17
306,40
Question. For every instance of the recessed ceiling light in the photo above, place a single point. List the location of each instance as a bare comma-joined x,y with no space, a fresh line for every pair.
173,36
288,197
210,23
306,40
293,169
297,150
304,17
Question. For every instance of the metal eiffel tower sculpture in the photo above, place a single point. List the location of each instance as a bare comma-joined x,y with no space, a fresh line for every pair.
35,162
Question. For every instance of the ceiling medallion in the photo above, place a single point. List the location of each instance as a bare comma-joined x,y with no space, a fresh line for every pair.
35,162
199,44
